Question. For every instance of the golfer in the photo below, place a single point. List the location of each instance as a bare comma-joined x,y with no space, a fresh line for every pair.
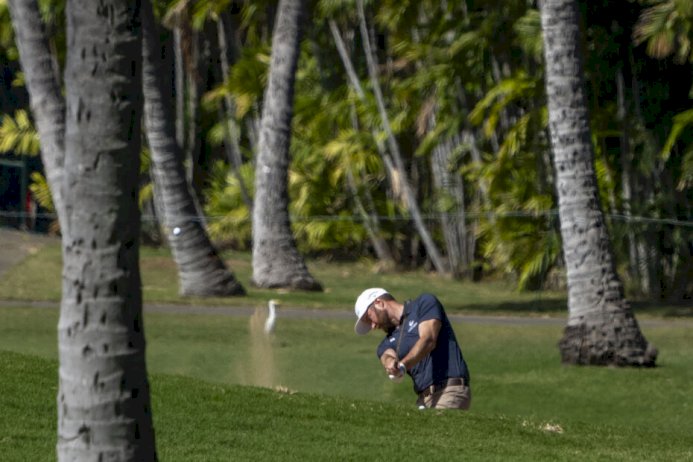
419,340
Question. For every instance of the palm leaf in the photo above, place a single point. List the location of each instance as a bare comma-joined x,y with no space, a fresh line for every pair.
18,135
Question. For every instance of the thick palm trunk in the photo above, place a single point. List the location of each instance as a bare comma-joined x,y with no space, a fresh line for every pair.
104,410
276,260
601,327
47,103
200,269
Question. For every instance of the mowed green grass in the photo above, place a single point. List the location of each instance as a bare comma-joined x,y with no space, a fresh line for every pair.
205,370
314,390
38,277
201,421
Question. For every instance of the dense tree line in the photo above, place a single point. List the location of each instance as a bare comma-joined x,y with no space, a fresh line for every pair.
419,132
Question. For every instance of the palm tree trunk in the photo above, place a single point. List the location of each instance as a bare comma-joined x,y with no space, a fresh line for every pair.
356,86
452,218
626,175
194,90
601,327
179,83
104,410
231,131
47,103
276,260
200,269
641,193
370,220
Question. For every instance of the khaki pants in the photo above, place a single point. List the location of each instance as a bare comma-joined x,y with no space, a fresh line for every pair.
450,397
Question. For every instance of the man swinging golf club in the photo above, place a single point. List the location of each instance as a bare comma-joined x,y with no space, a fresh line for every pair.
419,340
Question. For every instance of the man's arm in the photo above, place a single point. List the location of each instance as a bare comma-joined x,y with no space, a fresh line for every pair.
389,361
428,338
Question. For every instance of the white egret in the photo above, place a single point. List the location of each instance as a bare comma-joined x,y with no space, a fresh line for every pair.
271,317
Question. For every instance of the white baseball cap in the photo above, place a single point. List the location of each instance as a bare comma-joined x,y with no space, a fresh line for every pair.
363,326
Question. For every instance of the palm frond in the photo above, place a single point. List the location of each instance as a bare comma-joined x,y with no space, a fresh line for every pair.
41,192
489,108
681,121
667,28
686,180
18,135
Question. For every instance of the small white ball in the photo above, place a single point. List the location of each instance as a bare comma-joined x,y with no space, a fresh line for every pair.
176,231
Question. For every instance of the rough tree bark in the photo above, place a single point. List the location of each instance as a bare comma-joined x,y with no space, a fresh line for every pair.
601,328
276,260
104,410
47,103
201,270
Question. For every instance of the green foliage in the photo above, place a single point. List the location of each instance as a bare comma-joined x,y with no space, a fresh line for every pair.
682,121
334,8
43,197
7,45
448,70
521,237
529,34
686,181
667,28
146,192
246,83
18,134
229,217
488,110
41,192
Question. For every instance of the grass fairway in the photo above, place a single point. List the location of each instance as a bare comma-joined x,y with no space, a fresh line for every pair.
315,391
38,277
200,421
526,406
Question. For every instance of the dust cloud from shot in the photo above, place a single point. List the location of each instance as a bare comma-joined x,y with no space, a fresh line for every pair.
260,370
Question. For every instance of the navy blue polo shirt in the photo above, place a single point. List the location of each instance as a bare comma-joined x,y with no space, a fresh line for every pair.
445,361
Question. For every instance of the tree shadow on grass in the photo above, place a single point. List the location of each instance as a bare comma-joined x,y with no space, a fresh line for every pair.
539,306
667,309
558,306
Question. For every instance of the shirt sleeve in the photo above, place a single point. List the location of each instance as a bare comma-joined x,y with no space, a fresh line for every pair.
430,308
387,343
